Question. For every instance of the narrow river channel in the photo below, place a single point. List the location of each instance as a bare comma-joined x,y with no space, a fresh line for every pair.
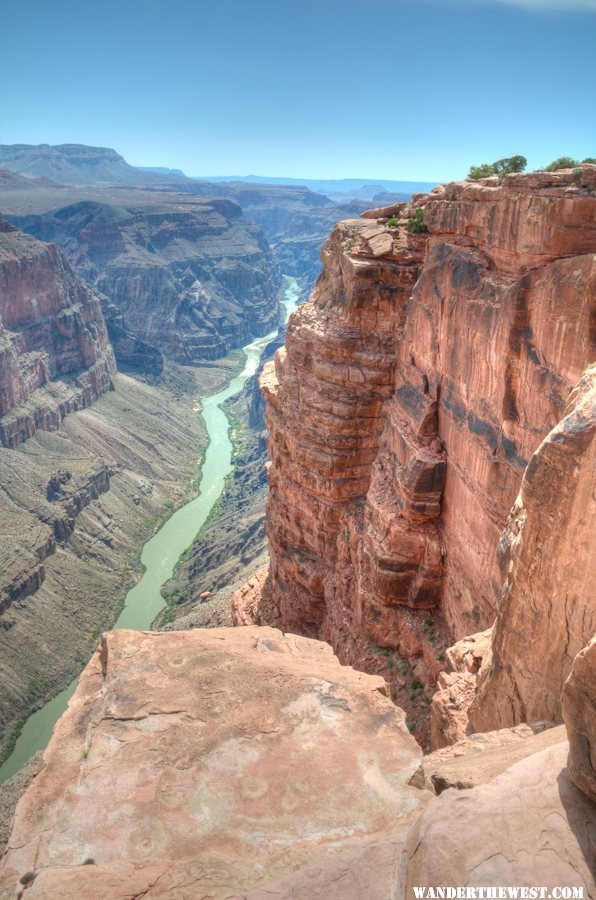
161,552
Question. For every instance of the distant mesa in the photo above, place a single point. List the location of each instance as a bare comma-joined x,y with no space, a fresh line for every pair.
162,170
334,185
72,164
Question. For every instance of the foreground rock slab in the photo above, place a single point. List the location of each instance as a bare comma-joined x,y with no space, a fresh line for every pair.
211,763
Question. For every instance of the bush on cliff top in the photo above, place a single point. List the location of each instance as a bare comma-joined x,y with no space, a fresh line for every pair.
483,171
415,223
567,162
501,167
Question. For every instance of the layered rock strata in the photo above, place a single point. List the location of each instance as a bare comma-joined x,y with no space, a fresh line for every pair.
414,388
132,354
192,279
215,758
55,356
295,220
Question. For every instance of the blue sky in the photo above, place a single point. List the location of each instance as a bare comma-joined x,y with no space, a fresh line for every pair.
401,89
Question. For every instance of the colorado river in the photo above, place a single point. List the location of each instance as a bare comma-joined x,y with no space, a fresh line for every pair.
161,552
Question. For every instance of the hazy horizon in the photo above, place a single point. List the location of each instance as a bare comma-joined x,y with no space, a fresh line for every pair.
403,90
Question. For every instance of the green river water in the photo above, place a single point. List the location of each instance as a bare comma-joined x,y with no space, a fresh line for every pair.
161,552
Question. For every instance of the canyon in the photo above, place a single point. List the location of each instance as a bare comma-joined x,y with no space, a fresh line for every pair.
187,269
232,545
432,434
91,459
39,180
83,493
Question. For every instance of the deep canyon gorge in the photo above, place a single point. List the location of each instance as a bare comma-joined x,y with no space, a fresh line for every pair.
408,695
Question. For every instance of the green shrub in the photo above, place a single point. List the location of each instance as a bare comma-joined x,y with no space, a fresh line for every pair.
392,222
510,164
501,167
563,162
415,223
589,160
485,170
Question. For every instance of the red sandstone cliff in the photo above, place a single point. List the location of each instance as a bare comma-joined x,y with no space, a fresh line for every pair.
547,608
414,388
55,356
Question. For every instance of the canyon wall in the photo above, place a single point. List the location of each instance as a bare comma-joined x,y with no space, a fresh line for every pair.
193,278
414,387
547,608
55,356
295,220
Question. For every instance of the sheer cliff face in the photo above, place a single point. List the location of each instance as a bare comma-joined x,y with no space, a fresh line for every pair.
549,567
55,356
414,387
192,279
